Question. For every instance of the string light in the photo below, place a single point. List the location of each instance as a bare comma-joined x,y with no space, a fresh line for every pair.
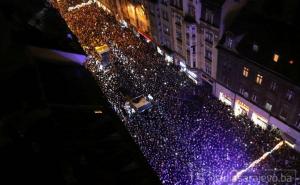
254,163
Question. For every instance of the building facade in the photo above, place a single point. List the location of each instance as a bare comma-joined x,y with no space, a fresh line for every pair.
191,30
187,31
216,15
260,94
133,12
258,73
174,28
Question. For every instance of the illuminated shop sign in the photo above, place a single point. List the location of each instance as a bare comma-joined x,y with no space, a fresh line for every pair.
168,58
182,64
160,51
225,99
192,74
102,49
240,108
259,120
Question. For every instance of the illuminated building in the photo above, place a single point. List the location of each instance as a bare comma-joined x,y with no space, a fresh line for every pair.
187,30
131,12
191,29
216,15
255,74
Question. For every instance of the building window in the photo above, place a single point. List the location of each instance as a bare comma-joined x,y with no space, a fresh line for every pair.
289,95
298,122
178,35
165,2
246,72
275,57
193,36
193,49
273,86
167,43
209,17
188,52
178,20
255,47
254,97
194,64
193,40
259,79
209,37
165,15
283,114
191,10
208,68
208,54
268,106
229,43
244,92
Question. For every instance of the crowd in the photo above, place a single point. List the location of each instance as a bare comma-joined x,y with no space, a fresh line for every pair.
188,137
281,166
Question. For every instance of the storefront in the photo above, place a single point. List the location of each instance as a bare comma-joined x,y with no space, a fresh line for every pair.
160,51
225,99
241,108
290,134
224,95
192,76
259,120
182,66
168,58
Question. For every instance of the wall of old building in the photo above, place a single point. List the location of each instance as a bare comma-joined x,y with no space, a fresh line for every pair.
230,81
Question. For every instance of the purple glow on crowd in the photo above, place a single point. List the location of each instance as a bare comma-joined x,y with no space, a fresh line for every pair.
188,137
77,58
